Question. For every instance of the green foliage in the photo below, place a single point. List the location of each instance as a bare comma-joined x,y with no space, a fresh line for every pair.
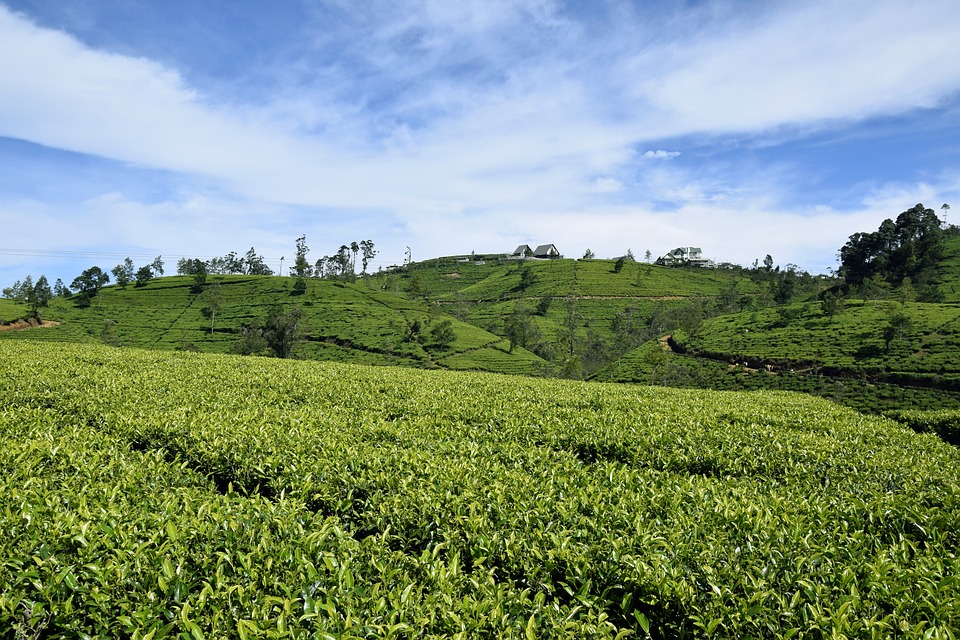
442,334
295,499
123,273
907,248
88,284
282,330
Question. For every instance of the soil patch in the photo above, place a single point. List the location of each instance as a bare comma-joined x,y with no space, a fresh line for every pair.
31,323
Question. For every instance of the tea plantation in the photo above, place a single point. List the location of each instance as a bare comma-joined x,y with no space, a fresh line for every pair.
151,494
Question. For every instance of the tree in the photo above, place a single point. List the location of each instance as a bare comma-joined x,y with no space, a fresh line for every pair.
768,263
255,265
832,304
415,286
157,266
589,255
301,267
898,324
647,255
144,275
618,265
60,290
369,253
354,249
199,277
213,299
909,247
89,283
629,256
520,329
39,295
946,209
251,340
342,260
282,331
442,334
190,266
300,286
16,292
123,273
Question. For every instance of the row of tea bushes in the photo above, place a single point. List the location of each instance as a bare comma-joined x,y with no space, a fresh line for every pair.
246,496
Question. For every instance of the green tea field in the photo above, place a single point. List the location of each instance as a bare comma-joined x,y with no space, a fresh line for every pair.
151,494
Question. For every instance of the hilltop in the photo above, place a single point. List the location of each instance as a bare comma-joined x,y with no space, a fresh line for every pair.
606,320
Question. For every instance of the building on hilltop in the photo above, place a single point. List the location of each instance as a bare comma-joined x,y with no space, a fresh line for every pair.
689,256
522,252
542,252
547,252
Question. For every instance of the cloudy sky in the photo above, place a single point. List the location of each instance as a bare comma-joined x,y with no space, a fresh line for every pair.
746,127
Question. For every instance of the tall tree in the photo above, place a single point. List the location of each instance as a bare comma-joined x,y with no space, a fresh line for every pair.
123,273
368,253
301,267
906,248
39,295
354,249
157,266
255,265
213,302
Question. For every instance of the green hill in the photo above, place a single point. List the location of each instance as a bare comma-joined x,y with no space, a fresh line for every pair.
161,494
874,356
340,321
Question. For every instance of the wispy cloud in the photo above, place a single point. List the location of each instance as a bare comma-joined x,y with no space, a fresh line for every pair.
447,123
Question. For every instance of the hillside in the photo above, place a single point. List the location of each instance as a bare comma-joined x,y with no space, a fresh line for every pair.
583,308
798,348
151,493
340,321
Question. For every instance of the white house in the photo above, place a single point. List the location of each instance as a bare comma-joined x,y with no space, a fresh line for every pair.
692,256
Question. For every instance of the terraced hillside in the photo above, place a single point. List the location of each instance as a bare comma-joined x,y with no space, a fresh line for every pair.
340,321
874,356
162,494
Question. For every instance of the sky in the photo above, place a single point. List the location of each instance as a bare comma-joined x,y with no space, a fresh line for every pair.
436,128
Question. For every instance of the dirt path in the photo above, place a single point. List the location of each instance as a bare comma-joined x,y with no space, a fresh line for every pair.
32,323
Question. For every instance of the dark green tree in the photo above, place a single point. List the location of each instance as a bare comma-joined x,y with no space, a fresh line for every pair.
520,329
366,246
39,296
144,275
255,265
89,283
123,273
442,334
832,304
282,331
60,290
300,286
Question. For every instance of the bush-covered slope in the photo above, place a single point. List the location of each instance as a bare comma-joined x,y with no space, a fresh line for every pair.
923,351
340,321
158,493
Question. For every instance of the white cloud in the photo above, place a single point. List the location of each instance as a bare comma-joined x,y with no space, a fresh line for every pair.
661,154
492,122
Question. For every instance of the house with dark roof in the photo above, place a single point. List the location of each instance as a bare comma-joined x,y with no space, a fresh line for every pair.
547,252
521,252
692,256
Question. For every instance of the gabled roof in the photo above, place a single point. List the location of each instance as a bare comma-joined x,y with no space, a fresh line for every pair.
546,250
523,250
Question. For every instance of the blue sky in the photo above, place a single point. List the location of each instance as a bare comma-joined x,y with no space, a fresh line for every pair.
192,129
